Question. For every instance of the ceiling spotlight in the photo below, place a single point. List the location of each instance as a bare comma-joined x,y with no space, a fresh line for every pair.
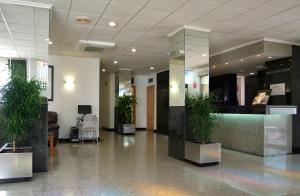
47,39
258,55
133,50
214,67
83,20
151,68
103,70
269,57
115,62
226,63
252,73
50,42
204,54
241,60
112,24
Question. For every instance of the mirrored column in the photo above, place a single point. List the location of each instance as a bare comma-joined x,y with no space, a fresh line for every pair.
189,73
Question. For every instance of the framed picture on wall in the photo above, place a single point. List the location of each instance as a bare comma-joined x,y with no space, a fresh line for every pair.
50,82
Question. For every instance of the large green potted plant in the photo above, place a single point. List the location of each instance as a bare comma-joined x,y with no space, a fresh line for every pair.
20,103
125,109
201,118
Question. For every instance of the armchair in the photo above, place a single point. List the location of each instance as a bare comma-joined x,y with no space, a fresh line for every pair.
53,127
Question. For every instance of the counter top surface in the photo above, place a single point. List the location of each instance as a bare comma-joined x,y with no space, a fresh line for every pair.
258,109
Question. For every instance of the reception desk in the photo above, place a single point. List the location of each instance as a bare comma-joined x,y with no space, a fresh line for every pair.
258,130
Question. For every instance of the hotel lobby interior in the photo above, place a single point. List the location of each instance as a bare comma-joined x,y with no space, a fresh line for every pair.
149,97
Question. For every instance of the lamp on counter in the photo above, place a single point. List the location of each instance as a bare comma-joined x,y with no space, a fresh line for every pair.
69,83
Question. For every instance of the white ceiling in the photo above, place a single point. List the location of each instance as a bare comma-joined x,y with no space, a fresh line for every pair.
29,27
143,24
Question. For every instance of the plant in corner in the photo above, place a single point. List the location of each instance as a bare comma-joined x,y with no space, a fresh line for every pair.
125,106
201,118
20,102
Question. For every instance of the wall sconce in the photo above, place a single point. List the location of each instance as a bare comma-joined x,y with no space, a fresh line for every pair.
174,87
69,83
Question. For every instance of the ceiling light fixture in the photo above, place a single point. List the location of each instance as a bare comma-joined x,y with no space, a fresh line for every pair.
241,60
258,55
151,68
269,57
252,73
103,70
226,63
112,24
83,20
50,42
133,50
204,54
47,39
115,62
214,67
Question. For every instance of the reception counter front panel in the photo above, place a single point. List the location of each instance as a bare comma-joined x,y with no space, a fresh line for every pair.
259,134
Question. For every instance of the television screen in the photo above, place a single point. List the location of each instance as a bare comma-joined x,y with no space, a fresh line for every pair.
84,109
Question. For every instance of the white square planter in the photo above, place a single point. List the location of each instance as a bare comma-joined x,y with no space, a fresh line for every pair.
203,153
15,166
127,128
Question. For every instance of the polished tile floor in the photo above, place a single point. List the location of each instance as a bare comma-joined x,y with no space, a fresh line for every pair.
139,165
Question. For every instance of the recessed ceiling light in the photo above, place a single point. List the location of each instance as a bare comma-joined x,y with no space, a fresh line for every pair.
269,57
133,50
151,68
83,20
226,63
112,24
115,62
47,39
214,67
241,60
204,54
252,73
50,42
104,70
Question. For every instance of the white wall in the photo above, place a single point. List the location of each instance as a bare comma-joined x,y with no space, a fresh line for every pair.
86,73
107,94
141,82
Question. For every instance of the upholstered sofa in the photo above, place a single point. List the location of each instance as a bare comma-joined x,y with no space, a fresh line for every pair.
53,127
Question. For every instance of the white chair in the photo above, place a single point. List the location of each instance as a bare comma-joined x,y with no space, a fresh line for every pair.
89,124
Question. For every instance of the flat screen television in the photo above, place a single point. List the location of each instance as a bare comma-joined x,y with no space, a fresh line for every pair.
84,109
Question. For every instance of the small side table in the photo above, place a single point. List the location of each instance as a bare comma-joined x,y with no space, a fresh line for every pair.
50,140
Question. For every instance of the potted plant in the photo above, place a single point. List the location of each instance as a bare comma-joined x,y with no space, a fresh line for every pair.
201,118
125,106
20,102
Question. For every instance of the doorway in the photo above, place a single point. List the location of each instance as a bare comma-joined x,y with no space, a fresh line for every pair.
150,108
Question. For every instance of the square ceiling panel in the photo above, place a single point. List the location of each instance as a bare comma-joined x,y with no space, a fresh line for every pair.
118,10
95,7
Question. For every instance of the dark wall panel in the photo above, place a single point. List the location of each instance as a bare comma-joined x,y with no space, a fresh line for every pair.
162,102
295,88
176,132
251,88
227,84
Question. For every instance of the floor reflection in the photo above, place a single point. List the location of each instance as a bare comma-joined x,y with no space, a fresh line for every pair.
139,165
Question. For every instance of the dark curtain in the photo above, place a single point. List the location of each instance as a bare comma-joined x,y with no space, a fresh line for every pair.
18,67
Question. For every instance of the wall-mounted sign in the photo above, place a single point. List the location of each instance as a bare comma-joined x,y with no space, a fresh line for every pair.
277,89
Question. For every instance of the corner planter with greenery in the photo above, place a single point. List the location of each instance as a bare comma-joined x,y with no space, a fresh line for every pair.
201,118
125,107
19,111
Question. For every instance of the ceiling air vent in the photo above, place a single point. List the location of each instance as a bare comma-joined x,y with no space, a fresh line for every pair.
94,46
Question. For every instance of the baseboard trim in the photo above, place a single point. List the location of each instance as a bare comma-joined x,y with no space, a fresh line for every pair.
140,129
108,129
